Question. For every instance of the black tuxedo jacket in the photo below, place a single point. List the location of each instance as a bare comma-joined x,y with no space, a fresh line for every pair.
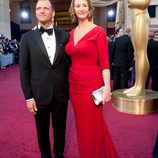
123,52
40,79
152,51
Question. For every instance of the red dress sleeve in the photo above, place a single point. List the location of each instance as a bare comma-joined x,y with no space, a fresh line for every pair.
102,49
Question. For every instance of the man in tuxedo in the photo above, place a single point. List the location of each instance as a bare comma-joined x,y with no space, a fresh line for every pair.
152,52
44,78
122,59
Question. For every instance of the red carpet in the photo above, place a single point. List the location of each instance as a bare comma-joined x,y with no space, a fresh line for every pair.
133,135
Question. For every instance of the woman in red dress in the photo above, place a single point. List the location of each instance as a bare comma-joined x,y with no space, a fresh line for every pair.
89,71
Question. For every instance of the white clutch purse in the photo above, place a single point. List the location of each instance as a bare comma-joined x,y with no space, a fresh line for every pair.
97,95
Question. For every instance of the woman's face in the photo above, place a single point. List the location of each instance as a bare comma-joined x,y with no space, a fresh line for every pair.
120,33
81,9
138,4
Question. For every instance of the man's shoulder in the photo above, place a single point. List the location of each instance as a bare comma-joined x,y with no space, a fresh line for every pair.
124,38
153,43
60,31
28,33
120,38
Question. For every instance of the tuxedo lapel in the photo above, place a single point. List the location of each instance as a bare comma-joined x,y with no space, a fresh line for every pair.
58,39
40,43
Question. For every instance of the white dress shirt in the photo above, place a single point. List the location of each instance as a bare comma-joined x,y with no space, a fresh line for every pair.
50,44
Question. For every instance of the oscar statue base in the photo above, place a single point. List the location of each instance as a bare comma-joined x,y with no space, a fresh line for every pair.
135,105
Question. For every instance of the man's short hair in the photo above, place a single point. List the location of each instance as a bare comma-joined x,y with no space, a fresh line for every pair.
128,30
51,2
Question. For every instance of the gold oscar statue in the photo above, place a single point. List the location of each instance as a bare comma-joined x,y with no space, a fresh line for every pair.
139,36
136,99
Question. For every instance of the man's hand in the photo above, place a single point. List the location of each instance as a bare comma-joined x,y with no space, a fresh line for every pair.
31,105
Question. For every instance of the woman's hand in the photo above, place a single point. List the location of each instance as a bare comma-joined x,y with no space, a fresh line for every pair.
107,94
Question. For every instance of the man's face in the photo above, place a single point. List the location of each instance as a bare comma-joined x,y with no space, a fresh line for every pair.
44,12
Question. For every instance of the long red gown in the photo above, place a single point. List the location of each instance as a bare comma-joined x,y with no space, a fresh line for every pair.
89,56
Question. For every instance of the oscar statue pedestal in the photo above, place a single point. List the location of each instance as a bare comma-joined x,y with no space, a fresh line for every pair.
135,105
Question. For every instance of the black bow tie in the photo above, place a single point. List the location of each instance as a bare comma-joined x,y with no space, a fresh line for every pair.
49,31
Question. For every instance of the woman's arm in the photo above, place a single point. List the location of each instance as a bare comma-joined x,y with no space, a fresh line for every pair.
106,78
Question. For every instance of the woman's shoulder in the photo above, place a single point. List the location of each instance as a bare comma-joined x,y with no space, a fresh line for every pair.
71,32
99,31
99,28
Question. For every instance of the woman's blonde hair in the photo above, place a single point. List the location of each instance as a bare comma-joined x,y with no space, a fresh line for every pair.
72,11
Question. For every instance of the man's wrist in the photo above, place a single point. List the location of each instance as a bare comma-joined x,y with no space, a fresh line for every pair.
29,99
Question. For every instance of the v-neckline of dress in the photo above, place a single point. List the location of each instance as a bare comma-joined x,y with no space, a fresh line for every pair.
76,43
